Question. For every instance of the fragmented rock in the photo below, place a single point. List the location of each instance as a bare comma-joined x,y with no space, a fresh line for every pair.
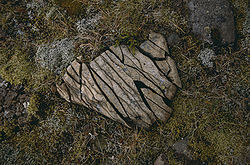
212,16
134,88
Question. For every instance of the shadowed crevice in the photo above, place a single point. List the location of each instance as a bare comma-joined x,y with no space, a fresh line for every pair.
121,86
121,60
139,85
158,47
127,120
142,85
156,65
140,71
106,74
149,55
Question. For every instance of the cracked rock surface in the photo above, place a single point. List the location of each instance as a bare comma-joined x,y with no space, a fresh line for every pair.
132,87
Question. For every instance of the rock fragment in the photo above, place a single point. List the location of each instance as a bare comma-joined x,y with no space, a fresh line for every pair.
173,39
134,88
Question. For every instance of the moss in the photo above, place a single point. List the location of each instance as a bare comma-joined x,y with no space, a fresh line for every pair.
129,22
204,114
240,9
33,107
8,130
17,69
74,8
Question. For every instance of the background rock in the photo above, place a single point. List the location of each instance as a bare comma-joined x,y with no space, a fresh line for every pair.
181,147
213,20
173,39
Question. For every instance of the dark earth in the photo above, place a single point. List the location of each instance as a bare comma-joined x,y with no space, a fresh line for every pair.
13,103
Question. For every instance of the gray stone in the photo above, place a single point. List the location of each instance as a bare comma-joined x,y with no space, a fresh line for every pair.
56,56
4,84
206,57
208,15
173,39
181,147
134,88
161,160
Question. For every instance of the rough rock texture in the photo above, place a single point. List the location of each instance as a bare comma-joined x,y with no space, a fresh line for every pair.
173,39
181,147
134,88
212,16
56,56
161,160
13,103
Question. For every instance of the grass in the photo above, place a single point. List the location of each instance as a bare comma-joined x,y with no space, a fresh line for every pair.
210,109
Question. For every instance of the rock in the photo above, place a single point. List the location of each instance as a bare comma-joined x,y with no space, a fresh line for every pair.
173,39
181,147
25,105
22,120
161,160
10,98
132,88
56,56
206,57
3,84
210,17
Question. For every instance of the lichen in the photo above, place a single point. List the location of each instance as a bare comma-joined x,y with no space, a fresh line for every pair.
56,56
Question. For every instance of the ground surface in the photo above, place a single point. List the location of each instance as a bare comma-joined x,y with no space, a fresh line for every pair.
210,115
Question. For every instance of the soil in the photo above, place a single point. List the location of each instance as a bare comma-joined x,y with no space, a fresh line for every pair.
13,103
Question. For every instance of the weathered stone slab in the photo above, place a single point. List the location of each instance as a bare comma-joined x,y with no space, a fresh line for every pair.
134,88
